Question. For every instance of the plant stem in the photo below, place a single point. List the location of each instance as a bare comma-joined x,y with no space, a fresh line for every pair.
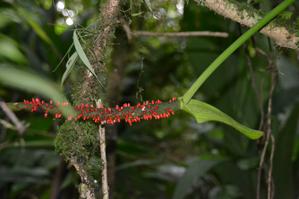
105,187
233,47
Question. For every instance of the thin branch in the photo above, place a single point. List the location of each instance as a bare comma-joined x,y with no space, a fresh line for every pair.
270,183
180,34
260,168
130,34
270,176
281,35
18,124
105,187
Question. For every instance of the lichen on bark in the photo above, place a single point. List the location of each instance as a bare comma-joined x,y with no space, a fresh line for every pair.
281,33
78,142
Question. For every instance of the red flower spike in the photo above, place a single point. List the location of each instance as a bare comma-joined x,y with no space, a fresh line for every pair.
148,110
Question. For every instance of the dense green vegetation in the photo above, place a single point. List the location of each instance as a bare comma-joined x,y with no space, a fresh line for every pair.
41,56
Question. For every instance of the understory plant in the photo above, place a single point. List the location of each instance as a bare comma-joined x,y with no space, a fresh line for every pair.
150,109
88,108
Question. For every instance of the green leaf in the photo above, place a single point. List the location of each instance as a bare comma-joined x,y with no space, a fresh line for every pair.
9,49
83,56
8,16
136,14
64,56
28,17
283,168
69,65
204,112
31,82
233,47
81,53
197,169
286,15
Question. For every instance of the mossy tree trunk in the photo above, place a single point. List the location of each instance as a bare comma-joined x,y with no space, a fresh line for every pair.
78,142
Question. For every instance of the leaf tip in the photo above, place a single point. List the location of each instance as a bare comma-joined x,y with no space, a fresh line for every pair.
256,134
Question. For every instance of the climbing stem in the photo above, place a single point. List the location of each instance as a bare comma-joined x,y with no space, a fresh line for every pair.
232,48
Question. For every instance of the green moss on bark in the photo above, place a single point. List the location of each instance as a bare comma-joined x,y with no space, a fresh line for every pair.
78,141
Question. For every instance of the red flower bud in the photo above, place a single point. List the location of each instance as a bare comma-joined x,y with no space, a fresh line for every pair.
154,109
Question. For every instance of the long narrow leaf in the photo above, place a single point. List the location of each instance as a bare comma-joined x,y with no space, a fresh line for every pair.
64,56
9,49
83,56
34,25
204,112
33,83
69,66
149,5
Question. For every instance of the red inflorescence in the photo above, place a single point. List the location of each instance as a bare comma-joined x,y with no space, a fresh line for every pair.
148,110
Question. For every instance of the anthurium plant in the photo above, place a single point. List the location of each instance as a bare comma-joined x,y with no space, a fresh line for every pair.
150,109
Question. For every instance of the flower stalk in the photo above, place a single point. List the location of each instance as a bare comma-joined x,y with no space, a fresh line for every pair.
148,110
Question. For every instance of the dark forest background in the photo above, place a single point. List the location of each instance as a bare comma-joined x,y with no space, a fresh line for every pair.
174,158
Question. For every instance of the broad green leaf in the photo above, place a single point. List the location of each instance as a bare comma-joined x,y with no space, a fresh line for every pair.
233,47
204,112
9,49
7,16
33,83
83,56
197,169
69,65
283,164
34,25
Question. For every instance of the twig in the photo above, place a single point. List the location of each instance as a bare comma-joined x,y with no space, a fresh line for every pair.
269,135
249,17
270,177
105,187
269,129
130,34
261,164
180,34
18,124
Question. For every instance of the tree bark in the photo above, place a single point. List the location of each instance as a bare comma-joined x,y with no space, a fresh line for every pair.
99,55
249,16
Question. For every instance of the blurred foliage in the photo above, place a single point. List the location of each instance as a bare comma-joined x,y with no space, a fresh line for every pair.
175,158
